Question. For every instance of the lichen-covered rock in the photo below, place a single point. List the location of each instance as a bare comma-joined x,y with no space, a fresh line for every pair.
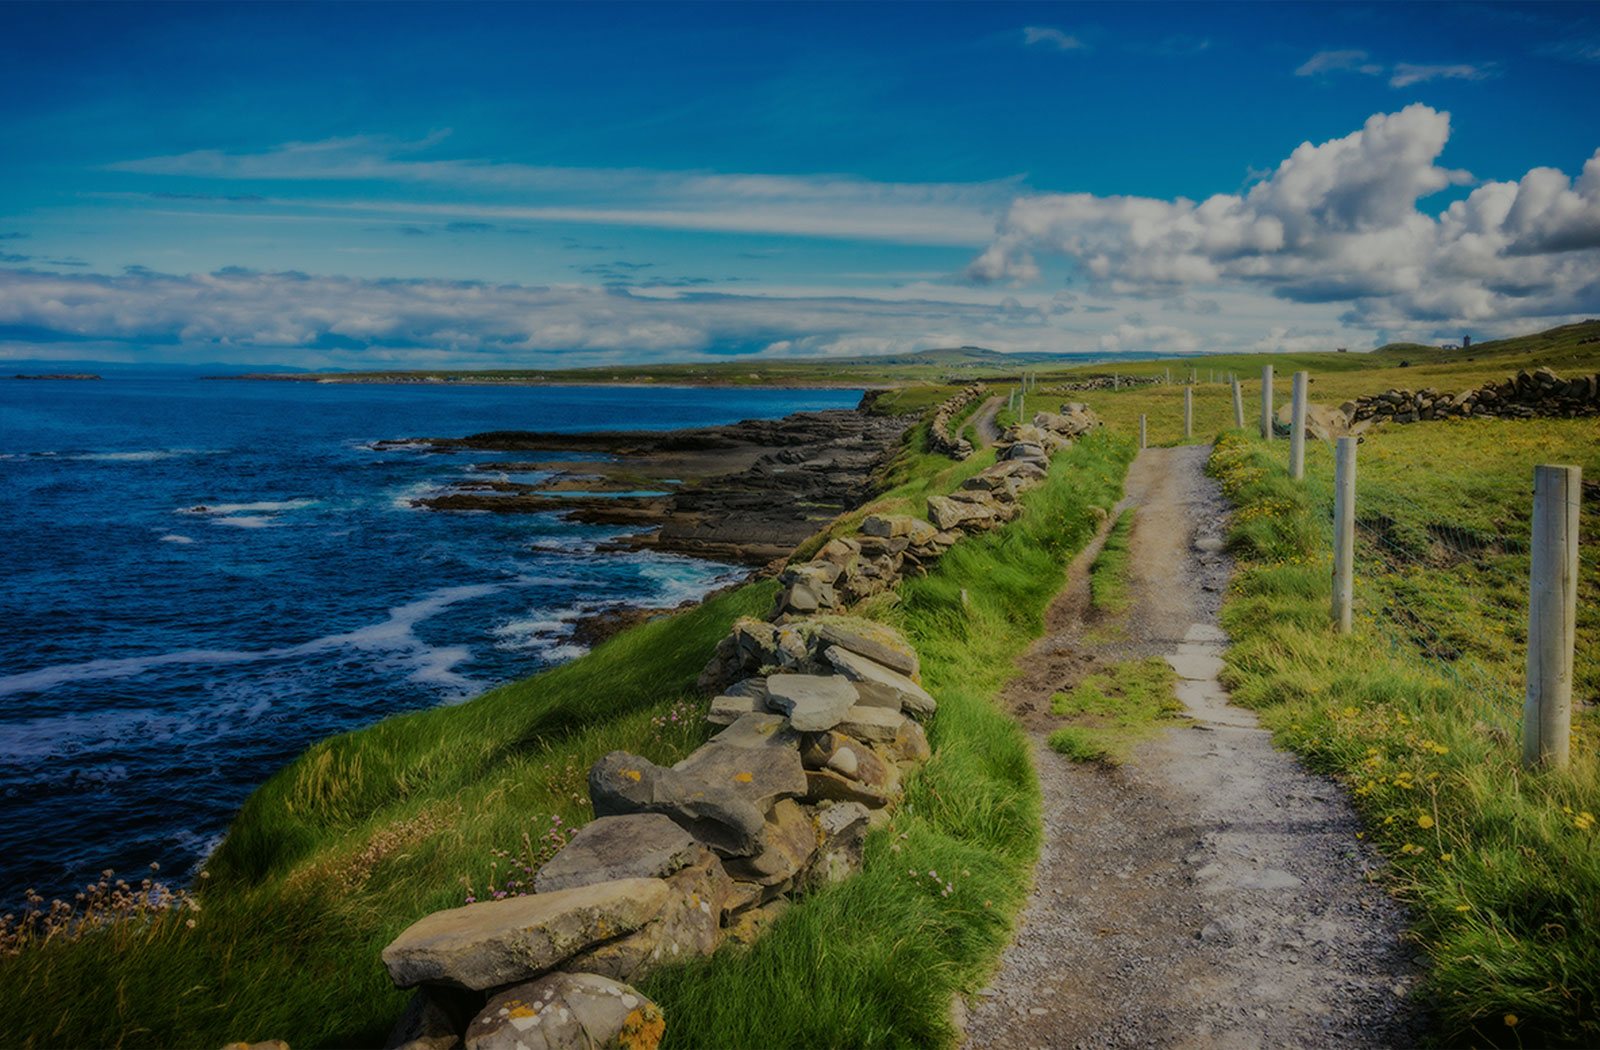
849,757
910,744
726,710
494,943
841,834
948,513
790,839
757,758
631,846
689,924
568,1011
721,818
879,686
812,702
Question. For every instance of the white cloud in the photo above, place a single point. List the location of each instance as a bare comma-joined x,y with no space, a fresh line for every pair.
1150,337
832,206
1338,222
1049,36
1406,73
1338,62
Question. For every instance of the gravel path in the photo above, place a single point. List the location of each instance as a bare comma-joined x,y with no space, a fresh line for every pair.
983,420
1210,892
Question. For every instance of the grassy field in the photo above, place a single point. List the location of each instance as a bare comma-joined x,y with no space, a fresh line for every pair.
1418,711
369,830
1108,576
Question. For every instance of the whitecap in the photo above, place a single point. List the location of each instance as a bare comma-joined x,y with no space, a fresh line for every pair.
173,537
395,633
248,521
261,506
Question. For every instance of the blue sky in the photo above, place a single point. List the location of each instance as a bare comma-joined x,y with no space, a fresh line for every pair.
368,184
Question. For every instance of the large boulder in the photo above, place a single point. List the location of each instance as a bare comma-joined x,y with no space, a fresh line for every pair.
631,846
812,702
494,943
880,686
689,924
567,1011
721,818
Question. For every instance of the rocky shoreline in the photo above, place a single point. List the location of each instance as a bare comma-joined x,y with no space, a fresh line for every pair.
747,492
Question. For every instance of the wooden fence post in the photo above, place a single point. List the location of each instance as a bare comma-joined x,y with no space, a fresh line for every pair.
1169,377
1188,413
1552,615
1344,533
1266,402
1143,444
1238,405
1297,431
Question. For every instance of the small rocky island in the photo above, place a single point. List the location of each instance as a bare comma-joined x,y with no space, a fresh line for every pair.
747,492
57,375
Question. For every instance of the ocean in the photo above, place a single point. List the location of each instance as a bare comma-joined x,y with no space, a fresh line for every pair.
201,578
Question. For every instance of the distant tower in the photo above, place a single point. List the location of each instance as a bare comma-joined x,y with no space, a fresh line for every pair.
1466,342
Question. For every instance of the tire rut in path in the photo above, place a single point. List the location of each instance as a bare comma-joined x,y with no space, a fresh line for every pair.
1210,892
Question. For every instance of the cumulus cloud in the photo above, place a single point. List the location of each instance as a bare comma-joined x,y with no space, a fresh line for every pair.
1337,222
1051,37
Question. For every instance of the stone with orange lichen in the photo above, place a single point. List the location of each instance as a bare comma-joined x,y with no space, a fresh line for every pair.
568,1011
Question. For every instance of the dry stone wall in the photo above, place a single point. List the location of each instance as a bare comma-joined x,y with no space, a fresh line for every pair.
822,719
1527,394
940,439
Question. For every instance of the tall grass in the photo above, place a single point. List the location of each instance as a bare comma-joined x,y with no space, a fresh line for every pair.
1500,867
875,961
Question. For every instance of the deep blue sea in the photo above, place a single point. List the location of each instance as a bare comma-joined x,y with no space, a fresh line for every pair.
158,661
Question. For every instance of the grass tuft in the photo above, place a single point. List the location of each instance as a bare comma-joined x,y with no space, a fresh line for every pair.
1110,711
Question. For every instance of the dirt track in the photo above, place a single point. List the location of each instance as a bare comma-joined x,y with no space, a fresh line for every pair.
1210,892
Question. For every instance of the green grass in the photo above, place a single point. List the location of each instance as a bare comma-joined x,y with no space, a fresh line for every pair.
1108,712
1108,576
370,830
1500,867
875,960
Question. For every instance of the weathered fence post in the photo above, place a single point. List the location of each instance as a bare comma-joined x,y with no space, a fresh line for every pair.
1238,405
1297,431
1188,413
1116,381
1266,402
1552,615
1142,442
1344,533
1168,380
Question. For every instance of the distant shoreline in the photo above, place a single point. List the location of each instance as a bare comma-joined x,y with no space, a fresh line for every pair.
396,380
56,375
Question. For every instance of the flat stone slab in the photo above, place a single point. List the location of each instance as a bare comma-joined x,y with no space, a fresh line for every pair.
879,685
1205,632
874,724
496,943
825,784
812,702
726,821
760,774
875,641
726,710
633,846
1198,666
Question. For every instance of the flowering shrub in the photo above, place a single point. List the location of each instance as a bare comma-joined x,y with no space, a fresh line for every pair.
516,880
100,905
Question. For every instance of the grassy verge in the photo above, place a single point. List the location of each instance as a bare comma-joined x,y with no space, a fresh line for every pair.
1108,576
875,960
1501,868
1107,712
369,830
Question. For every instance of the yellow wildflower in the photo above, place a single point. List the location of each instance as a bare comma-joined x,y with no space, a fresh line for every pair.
1424,821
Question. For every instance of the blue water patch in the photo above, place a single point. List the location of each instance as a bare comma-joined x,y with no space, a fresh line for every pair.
204,577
